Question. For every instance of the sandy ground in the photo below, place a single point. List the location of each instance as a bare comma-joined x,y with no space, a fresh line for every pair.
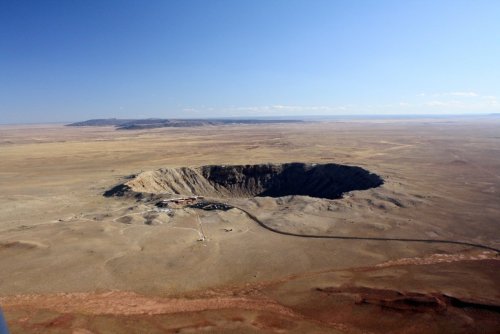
74,261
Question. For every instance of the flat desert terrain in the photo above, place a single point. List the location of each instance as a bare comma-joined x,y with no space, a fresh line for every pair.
75,261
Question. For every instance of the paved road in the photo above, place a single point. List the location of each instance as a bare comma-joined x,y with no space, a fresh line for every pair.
435,241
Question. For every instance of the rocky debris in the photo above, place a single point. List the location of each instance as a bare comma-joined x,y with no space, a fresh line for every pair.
442,258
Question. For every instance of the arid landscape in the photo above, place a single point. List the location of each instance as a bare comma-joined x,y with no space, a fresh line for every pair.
365,226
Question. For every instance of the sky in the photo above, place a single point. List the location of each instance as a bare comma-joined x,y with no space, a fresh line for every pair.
74,60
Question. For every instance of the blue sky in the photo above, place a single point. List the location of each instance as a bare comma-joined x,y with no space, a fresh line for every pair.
75,60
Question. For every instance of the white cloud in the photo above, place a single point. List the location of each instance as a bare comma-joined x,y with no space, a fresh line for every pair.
464,94
194,112
290,109
454,94
459,101
422,103
446,104
476,105
489,97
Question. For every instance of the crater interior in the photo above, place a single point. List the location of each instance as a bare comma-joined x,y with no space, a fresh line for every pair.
328,181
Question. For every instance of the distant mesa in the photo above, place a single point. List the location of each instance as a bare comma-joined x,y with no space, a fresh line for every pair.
102,122
328,181
151,123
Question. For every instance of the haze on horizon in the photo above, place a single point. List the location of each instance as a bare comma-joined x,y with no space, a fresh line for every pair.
68,61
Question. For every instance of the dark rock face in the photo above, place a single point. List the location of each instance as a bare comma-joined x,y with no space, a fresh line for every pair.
413,301
119,190
276,180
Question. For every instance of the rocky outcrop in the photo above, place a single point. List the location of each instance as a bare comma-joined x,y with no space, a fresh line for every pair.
410,301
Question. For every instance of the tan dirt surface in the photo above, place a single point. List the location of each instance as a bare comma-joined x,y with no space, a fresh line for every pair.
74,261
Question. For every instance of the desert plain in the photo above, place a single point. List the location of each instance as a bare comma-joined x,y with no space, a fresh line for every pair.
75,261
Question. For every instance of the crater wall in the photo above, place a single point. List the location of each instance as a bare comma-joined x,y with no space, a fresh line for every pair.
329,181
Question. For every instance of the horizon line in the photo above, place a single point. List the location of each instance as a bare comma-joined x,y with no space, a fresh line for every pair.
289,117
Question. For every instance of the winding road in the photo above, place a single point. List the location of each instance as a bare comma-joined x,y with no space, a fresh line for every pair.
436,241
